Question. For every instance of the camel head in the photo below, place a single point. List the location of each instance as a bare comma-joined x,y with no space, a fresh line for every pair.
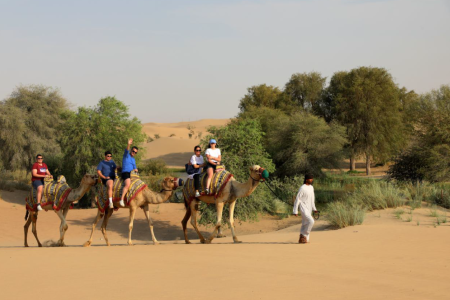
258,173
89,179
171,183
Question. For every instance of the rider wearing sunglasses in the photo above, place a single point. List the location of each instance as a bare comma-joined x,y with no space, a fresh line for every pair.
128,165
106,169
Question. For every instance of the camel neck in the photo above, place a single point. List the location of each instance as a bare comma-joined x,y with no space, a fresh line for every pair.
154,197
244,189
79,192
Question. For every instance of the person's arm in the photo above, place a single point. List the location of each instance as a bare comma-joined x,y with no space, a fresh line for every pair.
130,142
48,173
35,174
313,201
297,203
101,175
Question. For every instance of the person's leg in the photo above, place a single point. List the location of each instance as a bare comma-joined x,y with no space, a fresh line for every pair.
210,172
307,225
109,186
39,194
197,184
126,186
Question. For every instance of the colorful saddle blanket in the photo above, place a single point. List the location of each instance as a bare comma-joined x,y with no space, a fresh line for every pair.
218,182
54,192
137,185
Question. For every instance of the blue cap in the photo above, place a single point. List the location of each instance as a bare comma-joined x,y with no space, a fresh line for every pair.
212,141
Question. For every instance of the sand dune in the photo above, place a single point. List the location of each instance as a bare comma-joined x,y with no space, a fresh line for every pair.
174,145
385,258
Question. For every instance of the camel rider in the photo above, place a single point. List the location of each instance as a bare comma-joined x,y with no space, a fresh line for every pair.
305,199
128,165
106,169
213,158
39,171
197,163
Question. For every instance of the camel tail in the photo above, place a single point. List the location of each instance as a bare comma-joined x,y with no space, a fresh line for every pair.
26,215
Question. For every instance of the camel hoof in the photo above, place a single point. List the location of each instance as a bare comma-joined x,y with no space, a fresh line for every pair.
203,241
187,242
130,244
156,243
108,244
207,242
221,236
237,242
40,245
87,244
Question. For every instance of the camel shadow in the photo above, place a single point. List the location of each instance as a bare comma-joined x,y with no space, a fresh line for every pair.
16,197
164,231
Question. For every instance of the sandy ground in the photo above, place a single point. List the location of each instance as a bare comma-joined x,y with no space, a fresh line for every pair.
174,145
385,258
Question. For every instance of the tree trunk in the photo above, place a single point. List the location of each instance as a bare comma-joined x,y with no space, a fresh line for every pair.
352,163
367,164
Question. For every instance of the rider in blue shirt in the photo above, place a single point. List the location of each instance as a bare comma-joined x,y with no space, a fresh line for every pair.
106,169
128,165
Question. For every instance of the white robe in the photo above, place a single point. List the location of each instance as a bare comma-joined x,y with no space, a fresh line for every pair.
306,200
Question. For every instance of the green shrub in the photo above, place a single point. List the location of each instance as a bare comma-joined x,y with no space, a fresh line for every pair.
153,167
342,214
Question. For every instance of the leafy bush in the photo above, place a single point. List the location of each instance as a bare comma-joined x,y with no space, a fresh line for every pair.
153,167
342,214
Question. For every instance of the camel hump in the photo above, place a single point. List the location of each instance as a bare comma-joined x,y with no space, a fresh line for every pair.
61,179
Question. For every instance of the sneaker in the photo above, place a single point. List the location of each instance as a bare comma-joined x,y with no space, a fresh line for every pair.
197,194
111,205
207,191
122,203
39,208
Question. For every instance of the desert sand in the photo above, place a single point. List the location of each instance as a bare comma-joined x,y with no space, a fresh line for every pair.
385,258
174,145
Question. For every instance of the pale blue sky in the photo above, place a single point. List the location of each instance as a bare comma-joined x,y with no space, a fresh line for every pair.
173,61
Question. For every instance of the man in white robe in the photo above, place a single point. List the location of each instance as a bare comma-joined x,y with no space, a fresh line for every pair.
305,200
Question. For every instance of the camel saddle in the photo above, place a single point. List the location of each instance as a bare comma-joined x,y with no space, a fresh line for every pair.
218,182
136,186
54,192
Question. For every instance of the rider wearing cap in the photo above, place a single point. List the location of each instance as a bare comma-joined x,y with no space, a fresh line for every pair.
305,199
128,165
213,158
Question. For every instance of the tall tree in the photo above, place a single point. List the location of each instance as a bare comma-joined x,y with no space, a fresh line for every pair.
30,123
304,143
260,96
305,90
368,105
91,131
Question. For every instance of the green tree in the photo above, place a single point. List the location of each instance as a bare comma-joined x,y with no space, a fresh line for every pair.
260,96
304,143
305,90
367,104
241,146
92,131
30,123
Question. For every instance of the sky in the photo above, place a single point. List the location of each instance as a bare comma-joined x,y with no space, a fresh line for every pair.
173,60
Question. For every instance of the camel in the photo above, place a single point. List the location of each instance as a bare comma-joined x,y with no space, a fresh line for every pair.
232,190
142,200
74,195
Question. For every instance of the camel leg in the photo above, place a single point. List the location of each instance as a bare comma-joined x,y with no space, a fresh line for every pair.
150,224
97,218
34,215
219,210
194,209
25,228
130,225
105,223
186,218
62,228
231,221
220,234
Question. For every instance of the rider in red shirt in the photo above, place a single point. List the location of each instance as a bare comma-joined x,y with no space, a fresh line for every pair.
39,171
